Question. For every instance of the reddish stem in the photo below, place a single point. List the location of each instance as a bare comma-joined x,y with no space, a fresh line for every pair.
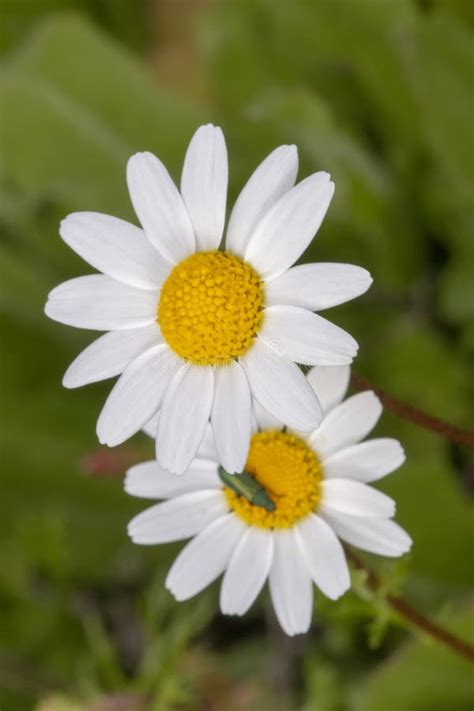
413,414
416,618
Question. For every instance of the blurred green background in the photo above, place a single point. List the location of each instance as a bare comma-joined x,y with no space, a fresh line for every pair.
379,93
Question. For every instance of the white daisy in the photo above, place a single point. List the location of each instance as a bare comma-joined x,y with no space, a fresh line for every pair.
306,493
194,331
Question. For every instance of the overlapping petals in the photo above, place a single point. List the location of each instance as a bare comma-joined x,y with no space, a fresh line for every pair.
269,182
136,395
184,415
289,559
286,229
116,248
160,207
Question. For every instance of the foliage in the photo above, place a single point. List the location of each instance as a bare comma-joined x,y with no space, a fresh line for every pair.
380,94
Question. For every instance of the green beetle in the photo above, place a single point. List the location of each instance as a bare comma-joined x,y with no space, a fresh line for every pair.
245,485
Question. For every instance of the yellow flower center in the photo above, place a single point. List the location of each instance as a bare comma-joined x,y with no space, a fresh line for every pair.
211,308
291,474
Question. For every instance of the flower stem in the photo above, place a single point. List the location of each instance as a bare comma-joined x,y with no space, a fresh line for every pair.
409,613
413,414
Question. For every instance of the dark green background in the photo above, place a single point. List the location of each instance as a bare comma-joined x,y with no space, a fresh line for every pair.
379,93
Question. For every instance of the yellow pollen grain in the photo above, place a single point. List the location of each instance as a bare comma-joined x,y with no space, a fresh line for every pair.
211,308
291,474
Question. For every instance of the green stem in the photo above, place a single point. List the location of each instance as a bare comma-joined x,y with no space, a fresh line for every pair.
413,616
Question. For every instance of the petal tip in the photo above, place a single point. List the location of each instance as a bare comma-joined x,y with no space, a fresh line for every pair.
337,594
170,466
291,149
139,156
66,222
402,454
373,397
369,280
171,587
101,436
330,189
69,382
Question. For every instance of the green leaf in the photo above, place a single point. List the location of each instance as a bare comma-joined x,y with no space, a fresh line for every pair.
457,291
367,205
121,17
68,128
424,676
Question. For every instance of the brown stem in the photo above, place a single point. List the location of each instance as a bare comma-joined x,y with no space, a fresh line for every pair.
415,617
408,412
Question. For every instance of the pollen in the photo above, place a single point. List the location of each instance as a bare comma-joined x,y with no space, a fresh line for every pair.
290,473
211,308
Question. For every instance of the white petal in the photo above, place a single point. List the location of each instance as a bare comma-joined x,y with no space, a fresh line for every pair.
247,571
204,558
110,354
306,337
318,286
272,179
207,448
160,207
265,420
254,424
290,584
231,416
137,395
330,384
347,423
116,248
376,535
148,480
204,185
366,462
100,303
354,498
183,417
288,227
150,427
324,556
177,518
281,388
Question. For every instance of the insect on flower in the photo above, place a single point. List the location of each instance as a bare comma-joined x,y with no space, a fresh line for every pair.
318,485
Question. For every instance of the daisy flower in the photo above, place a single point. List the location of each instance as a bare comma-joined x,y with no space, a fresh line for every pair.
283,517
195,331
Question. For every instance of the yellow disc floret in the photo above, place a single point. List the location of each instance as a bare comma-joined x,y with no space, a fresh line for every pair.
291,475
211,308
